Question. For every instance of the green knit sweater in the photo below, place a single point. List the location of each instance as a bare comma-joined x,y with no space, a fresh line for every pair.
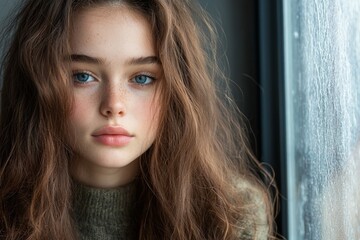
109,214
105,214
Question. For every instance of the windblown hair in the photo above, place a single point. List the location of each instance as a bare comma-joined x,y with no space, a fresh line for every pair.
199,179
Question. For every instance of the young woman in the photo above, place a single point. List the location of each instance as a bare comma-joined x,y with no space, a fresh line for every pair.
117,124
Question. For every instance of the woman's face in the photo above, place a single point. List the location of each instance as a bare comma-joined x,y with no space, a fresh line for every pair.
115,112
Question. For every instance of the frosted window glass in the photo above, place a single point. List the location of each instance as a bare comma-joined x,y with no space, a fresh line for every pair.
322,82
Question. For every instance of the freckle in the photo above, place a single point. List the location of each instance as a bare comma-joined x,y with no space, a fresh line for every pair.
123,92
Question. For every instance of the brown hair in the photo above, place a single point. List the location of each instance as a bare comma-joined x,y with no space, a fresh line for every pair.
199,179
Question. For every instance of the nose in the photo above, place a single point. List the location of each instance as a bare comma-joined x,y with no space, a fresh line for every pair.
113,102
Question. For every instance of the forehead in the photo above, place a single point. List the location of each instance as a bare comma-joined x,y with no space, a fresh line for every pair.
108,29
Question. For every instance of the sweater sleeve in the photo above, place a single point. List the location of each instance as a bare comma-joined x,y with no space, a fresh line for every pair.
255,225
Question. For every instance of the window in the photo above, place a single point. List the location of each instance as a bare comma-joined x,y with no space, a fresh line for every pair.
322,77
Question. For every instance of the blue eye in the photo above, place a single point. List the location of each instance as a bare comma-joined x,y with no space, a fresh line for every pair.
83,77
143,79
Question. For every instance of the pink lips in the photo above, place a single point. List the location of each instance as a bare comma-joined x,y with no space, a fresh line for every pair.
112,136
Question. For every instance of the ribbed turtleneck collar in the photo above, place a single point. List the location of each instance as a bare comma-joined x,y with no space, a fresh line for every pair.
106,213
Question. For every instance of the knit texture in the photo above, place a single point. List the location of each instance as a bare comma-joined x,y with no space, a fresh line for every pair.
106,214
109,214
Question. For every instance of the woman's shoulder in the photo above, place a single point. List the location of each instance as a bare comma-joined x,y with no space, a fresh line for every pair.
255,204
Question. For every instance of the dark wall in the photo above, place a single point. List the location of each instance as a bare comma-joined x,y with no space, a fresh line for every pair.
239,38
5,7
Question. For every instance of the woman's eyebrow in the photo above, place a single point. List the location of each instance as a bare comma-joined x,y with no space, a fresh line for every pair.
86,59
144,60
133,61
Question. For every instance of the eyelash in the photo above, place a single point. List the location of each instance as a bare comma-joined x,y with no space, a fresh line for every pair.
90,75
75,74
148,76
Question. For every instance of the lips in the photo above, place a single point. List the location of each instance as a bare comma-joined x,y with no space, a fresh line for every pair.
112,136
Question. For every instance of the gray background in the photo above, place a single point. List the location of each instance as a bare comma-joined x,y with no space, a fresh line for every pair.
5,6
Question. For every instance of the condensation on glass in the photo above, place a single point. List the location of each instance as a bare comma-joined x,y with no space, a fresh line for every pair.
322,62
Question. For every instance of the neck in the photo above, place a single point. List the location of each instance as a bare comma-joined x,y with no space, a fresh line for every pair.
103,177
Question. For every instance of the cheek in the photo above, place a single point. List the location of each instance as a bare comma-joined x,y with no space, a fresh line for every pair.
78,110
81,111
82,106
149,113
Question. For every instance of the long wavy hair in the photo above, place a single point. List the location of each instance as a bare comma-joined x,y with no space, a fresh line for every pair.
199,179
